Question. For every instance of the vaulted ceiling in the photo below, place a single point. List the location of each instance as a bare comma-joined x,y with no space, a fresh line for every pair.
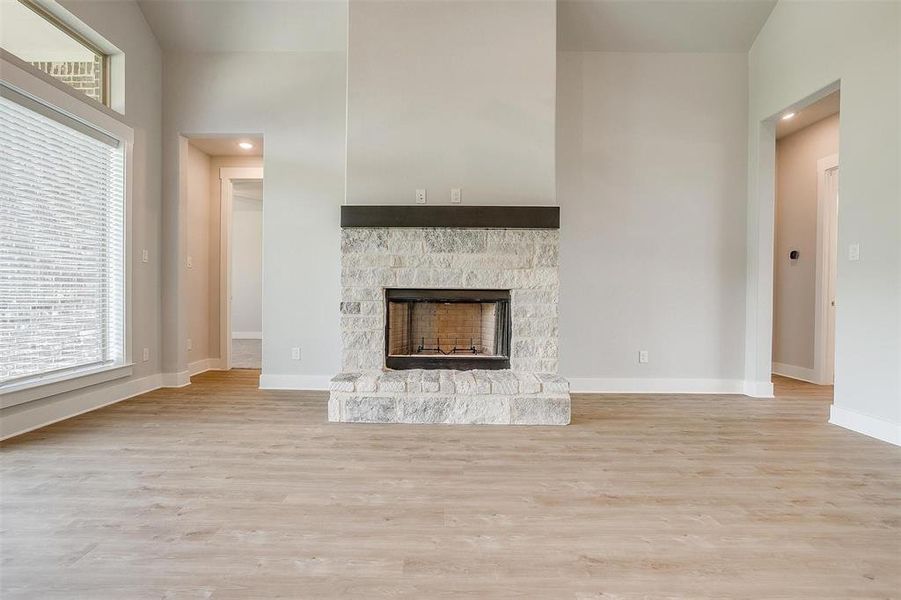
660,25
588,25
248,25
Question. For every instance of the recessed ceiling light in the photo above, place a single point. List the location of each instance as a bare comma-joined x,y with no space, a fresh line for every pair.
787,116
245,145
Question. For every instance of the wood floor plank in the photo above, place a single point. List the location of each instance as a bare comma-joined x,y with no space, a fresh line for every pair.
223,491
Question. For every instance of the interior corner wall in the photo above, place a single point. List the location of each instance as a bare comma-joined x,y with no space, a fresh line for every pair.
651,180
449,94
123,24
296,101
804,47
198,216
794,281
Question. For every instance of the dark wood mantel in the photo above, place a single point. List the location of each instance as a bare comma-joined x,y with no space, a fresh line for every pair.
471,217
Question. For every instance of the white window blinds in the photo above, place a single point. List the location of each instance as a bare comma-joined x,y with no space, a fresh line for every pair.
62,272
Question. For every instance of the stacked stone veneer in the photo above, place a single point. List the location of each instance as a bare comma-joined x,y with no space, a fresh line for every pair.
522,261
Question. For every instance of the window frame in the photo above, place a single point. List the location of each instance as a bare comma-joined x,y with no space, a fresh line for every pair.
63,27
81,108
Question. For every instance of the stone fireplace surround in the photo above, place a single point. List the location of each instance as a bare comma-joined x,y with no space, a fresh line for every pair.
524,261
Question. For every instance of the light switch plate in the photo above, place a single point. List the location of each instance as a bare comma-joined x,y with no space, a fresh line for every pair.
854,252
145,255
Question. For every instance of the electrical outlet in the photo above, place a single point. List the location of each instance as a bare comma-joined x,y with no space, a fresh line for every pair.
295,353
642,356
456,196
190,262
190,344
420,196
854,252
146,355
145,255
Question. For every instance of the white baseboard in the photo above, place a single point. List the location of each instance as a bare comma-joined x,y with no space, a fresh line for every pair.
40,413
247,335
594,385
176,380
758,389
794,372
294,382
203,365
873,427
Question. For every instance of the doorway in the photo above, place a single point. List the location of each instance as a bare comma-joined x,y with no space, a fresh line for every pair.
221,181
805,246
241,265
247,274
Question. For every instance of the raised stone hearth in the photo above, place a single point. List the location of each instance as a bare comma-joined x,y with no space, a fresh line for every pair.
450,397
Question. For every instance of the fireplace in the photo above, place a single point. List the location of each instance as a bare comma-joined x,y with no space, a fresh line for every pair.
449,315
459,329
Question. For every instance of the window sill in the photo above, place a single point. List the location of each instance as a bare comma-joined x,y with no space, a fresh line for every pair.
37,389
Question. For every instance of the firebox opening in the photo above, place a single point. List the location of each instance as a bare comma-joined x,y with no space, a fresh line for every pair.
447,329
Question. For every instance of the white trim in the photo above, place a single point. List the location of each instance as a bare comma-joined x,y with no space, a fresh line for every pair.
203,365
868,425
794,372
40,414
827,241
44,387
759,389
175,380
294,382
227,175
77,105
247,335
593,385
578,385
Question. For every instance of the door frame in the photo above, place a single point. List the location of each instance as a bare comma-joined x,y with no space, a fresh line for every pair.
827,257
761,241
227,177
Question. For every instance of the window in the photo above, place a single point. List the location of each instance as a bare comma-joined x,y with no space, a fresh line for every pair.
37,37
62,243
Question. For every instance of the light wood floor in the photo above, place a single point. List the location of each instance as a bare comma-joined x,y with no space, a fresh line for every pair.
787,388
222,491
247,354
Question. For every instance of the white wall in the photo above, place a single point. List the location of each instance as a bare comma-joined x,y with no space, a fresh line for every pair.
804,47
297,102
651,163
670,228
448,95
123,25
247,259
794,288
